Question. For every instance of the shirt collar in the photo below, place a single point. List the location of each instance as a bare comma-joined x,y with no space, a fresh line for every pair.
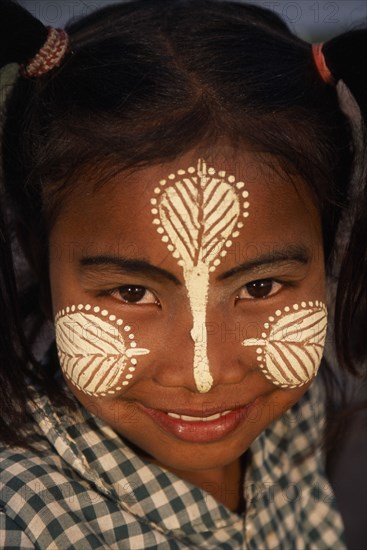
146,490
159,497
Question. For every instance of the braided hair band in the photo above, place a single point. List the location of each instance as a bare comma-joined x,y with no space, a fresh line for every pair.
49,56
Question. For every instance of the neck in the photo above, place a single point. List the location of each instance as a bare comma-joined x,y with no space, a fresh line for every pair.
225,484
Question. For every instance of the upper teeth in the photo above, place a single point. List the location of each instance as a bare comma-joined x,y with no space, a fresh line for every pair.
198,418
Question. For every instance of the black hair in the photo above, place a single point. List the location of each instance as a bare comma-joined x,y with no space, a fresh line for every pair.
148,80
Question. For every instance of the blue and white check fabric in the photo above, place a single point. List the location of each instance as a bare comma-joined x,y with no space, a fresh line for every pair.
85,488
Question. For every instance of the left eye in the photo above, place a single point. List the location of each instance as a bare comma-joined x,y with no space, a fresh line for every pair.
134,294
259,289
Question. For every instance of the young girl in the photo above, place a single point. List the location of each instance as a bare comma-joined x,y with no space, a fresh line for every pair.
178,179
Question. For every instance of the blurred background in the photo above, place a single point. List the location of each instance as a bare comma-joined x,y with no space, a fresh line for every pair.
314,21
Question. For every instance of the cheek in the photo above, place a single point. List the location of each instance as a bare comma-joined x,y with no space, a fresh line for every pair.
291,346
98,353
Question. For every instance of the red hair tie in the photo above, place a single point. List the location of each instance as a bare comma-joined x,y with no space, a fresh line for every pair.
49,56
320,63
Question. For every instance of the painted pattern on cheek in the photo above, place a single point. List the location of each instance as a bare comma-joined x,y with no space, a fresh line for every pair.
197,213
291,347
95,355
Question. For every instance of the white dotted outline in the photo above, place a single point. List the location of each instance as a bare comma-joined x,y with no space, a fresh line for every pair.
176,178
261,357
69,310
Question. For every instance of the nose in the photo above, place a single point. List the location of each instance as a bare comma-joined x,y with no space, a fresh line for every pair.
220,339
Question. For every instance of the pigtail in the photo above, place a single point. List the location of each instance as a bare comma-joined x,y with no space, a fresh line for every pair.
15,371
22,37
345,58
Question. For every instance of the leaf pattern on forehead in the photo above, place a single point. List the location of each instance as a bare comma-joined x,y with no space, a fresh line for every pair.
93,354
199,215
290,351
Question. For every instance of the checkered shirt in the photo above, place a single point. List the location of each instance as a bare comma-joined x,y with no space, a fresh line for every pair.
85,488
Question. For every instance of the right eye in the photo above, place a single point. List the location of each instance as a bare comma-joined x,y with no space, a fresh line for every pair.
134,294
260,289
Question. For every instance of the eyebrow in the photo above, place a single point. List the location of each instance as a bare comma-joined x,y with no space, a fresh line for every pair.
299,254
130,266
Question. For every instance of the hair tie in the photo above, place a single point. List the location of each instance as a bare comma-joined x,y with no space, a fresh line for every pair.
49,56
320,63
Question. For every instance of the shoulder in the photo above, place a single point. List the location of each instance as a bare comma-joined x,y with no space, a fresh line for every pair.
12,535
30,481
287,479
23,469
43,500
22,474
47,502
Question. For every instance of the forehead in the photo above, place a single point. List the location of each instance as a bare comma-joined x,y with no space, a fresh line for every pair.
122,215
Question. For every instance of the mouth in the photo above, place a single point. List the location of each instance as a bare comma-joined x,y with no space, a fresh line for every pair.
188,418
199,426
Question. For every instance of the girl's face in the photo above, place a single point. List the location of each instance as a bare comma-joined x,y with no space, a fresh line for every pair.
188,301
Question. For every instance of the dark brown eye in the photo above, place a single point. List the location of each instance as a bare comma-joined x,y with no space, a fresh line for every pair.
135,294
259,289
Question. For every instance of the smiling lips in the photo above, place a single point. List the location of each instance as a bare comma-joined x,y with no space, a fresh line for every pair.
199,428
195,418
